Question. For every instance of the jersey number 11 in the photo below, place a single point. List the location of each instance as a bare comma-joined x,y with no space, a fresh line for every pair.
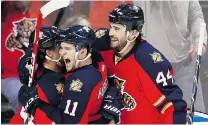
75,104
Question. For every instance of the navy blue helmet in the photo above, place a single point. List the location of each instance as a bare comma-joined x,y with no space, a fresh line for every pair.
78,35
128,14
47,38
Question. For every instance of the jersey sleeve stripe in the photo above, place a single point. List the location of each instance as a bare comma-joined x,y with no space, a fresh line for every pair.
166,107
159,101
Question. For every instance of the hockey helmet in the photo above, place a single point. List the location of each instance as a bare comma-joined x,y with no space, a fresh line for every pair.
129,15
79,35
47,39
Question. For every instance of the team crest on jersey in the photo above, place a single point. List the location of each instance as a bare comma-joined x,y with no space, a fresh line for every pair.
128,101
100,33
59,87
156,57
76,85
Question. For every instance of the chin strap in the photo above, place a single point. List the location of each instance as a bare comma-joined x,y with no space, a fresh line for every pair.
128,42
55,60
78,61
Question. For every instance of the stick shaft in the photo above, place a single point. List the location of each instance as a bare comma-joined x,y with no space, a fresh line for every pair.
197,71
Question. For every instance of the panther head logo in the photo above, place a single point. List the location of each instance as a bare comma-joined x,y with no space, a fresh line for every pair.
128,101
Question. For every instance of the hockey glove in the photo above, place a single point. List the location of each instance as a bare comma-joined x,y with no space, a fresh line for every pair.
23,71
112,105
29,98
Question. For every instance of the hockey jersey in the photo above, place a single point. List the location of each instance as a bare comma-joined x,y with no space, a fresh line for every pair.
49,86
145,79
82,97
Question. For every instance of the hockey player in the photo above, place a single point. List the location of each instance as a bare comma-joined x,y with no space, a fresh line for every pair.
141,73
48,79
86,80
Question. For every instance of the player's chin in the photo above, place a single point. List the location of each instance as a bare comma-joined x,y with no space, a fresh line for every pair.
69,68
114,45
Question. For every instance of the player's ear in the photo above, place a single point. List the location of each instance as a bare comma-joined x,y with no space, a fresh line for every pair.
83,53
49,53
133,34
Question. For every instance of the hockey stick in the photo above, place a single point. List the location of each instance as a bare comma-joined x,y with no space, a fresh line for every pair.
44,11
59,17
196,73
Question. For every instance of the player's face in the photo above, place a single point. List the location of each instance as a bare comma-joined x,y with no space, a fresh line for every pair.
55,54
118,36
67,51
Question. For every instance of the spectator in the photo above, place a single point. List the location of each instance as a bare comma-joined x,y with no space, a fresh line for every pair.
18,21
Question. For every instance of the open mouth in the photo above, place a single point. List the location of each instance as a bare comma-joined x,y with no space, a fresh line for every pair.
67,61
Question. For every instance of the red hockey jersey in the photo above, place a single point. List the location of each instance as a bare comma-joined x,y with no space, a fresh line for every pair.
145,79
